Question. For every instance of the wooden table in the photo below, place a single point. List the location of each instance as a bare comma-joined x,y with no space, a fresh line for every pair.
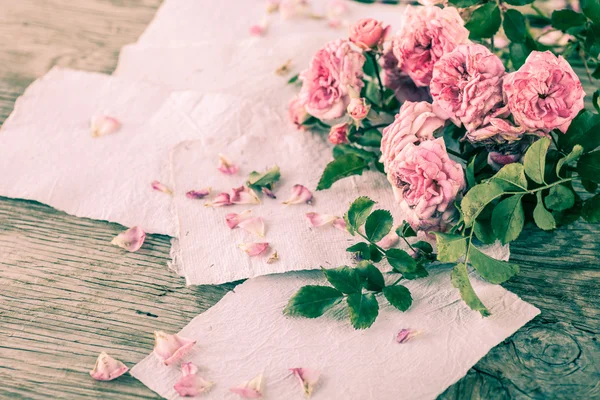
66,294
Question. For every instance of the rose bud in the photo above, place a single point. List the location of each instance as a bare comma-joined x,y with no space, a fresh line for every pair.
358,109
339,134
297,112
368,33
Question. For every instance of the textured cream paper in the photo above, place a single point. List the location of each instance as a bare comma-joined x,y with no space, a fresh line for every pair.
246,334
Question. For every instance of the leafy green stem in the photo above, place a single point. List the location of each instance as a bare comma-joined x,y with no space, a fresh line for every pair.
368,128
373,59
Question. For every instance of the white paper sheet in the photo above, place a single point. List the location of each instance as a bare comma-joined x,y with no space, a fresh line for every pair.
246,334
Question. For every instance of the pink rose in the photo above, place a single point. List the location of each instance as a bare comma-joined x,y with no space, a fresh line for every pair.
426,183
467,84
297,112
338,134
334,72
544,94
403,86
368,33
415,122
358,109
427,34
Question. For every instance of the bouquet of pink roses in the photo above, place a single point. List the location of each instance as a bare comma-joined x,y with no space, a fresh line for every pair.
476,137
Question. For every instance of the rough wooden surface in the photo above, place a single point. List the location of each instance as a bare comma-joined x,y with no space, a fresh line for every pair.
66,294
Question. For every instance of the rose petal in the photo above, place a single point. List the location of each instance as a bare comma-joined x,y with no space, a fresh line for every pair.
254,225
198,194
244,195
308,379
340,224
156,185
192,385
104,125
316,220
251,389
389,240
300,194
406,334
268,192
254,249
233,219
188,368
107,368
131,239
226,166
222,200
260,28
170,348
273,258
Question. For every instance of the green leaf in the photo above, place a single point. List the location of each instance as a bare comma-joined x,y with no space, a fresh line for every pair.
484,231
542,217
588,166
361,247
368,138
477,198
465,3
596,96
460,280
512,177
344,279
485,21
405,230
450,247
343,149
565,19
590,186
591,9
363,309
515,26
519,2
560,198
259,180
293,79
572,156
419,272
591,209
374,253
398,296
535,160
508,219
312,301
371,276
378,224
400,260
492,270
357,213
584,130
518,54
470,172
423,246
342,167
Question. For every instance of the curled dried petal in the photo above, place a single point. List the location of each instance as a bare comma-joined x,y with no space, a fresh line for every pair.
222,200
107,368
300,194
192,385
251,389
406,334
268,192
170,348
244,195
104,125
198,194
254,249
156,185
233,219
226,166
273,258
340,224
188,368
131,239
316,220
284,68
255,225
308,379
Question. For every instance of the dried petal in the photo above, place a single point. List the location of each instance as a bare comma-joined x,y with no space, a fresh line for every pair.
244,195
389,240
233,219
260,28
254,225
308,379
251,389
107,368
284,68
156,185
131,239
198,194
226,166
190,383
222,200
253,249
316,220
340,224
406,334
268,192
104,125
300,194
273,258
188,368
170,348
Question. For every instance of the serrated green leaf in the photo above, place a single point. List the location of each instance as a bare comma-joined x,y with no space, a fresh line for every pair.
343,149
363,310
508,219
584,130
361,247
264,179
535,160
374,254
588,166
591,209
371,276
423,246
398,296
560,198
572,156
484,231
591,9
357,213
344,279
450,247
515,26
419,272
485,21
405,230
512,177
492,270
477,198
342,167
542,217
565,19
378,224
400,260
460,280
312,301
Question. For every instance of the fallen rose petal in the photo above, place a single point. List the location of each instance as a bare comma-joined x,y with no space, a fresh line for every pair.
222,200
170,348
406,334
300,194
254,249
340,224
226,166
156,185
273,258
251,389
260,28
192,385
268,192
316,220
198,194
188,368
308,379
244,195
107,368
104,125
233,219
389,240
131,239
255,225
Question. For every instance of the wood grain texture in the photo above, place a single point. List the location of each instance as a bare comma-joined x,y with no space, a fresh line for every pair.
67,294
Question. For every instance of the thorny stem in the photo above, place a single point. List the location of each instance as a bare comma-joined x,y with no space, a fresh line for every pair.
371,55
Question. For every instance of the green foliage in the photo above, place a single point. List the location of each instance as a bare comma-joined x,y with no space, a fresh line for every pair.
515,26
450,247
492,270
363,309
485,21
312,301
401,261
519,2
266,179
560,198
508,219
405,230
565,19
378,224
542,217
460,280
572,156
341,167
591,9
591,209
371,276
344,279
465,3
584,131
398,296
588,166
477,198
343,149
357,214
535,160
511,177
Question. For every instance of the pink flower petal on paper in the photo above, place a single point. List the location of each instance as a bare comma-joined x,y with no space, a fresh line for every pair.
244,195
254,249
268,192
255,225
251,389
316,220
188,368
107,368
226,166
104,125
198,194
308,379
273,258
170,348
222,200
300,194
233,219
131,239
259,29
340,224
190,384
156,185
406,334
389,240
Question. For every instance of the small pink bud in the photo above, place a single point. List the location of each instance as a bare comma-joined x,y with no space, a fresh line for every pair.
300,194
107,368
226,166
368,33
104,125
198,194
156,185
251,389
170,348
254,249
308,379
131,239
222,200
358,108
338,134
